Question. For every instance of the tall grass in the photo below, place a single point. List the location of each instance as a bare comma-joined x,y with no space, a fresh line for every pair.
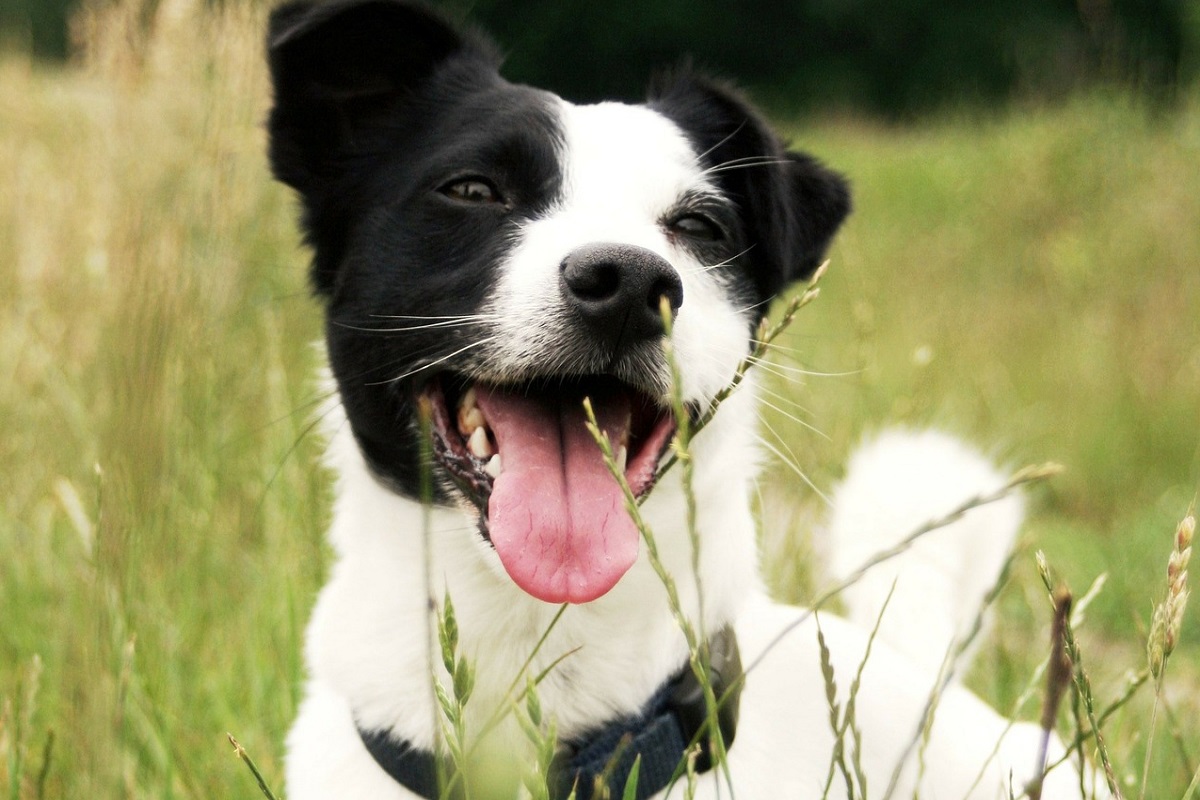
1029,279
161,516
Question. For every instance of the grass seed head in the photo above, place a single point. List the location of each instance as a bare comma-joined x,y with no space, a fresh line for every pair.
1183,534
1156,647
1167,621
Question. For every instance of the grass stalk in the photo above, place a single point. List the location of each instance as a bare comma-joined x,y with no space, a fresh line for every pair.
1190,792
425,424
1083,683
1027,692
1166,625
954,654
850,722
245,758
846,721
10,748
766,335
1026,476
1132,687
1058,678
686,428
543,735
632,505
47,758
453,703
502,711
1186,760
837,759
681,447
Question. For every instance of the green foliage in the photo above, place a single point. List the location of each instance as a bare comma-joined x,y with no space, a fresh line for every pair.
1029,279
894,57
162,518
39,26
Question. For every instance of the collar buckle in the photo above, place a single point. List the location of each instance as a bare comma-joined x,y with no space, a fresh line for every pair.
686,696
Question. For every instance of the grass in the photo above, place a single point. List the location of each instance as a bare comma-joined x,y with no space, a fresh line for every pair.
1028,279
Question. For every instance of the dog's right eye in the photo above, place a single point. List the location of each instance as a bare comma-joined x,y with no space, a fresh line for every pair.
697,227
472,190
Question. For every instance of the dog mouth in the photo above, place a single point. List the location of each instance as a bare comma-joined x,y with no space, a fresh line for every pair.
522,454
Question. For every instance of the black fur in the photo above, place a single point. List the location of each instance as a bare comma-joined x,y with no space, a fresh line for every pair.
382,104
377,105
790,204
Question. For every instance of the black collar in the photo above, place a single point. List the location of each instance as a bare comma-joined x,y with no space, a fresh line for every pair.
672,719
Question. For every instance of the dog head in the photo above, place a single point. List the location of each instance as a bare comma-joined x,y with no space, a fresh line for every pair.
493,254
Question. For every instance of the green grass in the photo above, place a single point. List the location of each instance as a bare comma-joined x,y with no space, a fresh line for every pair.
1030,280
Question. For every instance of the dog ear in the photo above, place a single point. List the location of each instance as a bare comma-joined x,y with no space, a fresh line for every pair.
337,66
822,200
791,205
345,73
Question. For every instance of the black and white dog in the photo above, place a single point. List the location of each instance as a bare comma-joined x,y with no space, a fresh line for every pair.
489,255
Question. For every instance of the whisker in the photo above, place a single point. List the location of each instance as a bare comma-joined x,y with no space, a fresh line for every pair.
732,134
774,370
448,323
434,363
787,400
725,263
424,317
303,407
786,372
806,425
744,163
292,448
431,349
791,352
782,370
791,463
754,307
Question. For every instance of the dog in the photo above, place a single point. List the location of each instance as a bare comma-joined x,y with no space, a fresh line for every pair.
488,256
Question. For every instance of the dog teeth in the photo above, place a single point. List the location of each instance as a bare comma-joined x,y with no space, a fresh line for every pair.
479,445
469,415
492,467
473,426
622,457
470,421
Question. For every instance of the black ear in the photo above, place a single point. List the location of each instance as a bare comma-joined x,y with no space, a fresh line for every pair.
821,202
791,205
339,65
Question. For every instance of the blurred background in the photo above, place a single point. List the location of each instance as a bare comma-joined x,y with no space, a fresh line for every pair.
888,57
1022,269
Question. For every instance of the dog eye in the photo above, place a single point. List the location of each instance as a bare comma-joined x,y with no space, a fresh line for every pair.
472,190
697,227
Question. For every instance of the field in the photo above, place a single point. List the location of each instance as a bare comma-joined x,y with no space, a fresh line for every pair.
1028,279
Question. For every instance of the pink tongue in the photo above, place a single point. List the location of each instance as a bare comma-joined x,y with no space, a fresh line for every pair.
556,516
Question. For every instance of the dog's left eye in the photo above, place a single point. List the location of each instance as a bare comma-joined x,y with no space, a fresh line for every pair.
472,190
697,227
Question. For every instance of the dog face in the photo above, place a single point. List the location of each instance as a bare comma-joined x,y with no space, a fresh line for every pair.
492,254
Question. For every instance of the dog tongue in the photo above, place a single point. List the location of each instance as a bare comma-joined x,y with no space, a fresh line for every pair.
556,515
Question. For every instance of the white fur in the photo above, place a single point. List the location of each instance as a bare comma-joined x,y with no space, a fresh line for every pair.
371,643
607,199
369,660
896,483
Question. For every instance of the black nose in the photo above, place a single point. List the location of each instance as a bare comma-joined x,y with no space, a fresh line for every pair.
617,289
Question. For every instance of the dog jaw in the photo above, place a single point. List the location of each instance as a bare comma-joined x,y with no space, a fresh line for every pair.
370,634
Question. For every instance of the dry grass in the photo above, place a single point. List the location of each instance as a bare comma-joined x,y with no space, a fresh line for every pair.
1030,279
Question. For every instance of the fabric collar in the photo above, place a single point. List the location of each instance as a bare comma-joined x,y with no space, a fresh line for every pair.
661,734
